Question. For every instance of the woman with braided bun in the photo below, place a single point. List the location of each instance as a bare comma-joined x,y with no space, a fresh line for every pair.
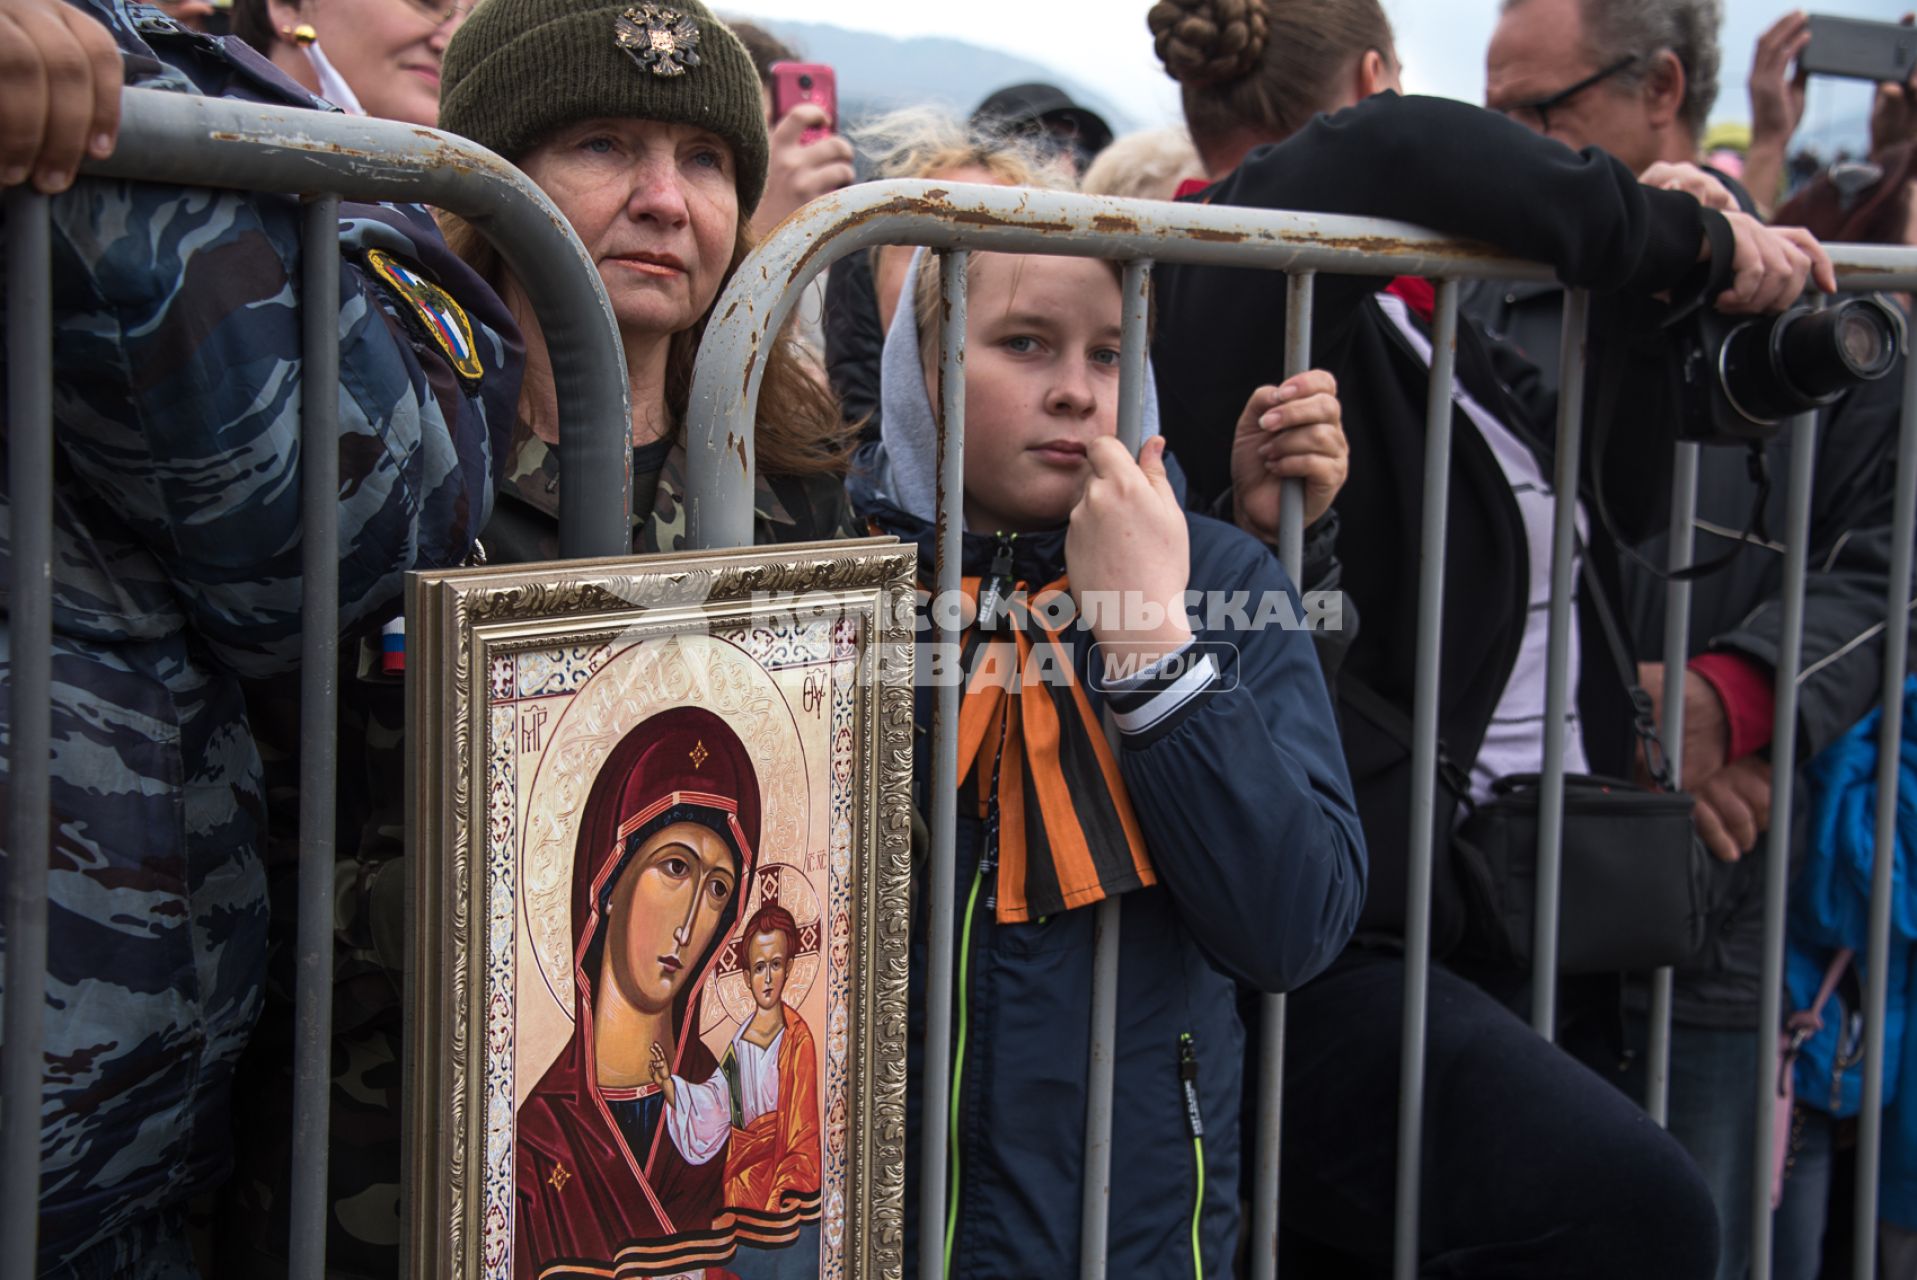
1532,1165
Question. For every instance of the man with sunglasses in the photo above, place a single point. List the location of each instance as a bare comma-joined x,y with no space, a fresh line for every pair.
1637,79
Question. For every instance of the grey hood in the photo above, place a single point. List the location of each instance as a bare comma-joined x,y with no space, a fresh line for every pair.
905,473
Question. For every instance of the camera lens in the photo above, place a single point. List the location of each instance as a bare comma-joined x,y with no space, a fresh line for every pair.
1772,369
805,82
1864,342
1824,353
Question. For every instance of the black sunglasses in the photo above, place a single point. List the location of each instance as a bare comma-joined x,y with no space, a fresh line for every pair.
1541,109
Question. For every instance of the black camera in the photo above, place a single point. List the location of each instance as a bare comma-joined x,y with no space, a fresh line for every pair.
1743,375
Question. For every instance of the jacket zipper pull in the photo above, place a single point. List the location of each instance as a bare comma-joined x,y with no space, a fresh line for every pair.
988,856
1188,1080
998,581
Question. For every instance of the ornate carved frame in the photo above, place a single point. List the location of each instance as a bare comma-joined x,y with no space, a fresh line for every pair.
453,619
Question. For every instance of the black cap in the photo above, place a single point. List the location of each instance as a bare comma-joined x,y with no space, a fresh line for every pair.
1031,108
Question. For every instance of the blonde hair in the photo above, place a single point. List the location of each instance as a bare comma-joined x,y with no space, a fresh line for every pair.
1146,166
927,310
806,436
1264,66
919,142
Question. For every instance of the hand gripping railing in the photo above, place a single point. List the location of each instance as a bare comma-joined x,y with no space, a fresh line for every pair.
208,142
958,219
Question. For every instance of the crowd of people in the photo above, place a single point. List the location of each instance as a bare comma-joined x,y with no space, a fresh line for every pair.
1254,808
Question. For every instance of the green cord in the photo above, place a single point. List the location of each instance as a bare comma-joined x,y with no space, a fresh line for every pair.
1188,1074
1198,1208
958,1070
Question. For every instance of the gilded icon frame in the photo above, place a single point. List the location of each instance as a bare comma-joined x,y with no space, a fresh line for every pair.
636,637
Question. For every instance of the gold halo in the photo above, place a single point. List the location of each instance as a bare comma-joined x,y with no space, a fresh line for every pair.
638,681
732,1000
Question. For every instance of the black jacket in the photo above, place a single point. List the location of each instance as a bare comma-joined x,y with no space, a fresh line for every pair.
1221,334
854,340
1739,610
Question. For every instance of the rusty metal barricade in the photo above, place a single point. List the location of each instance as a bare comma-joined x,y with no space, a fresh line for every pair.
322,157
959,219
202,142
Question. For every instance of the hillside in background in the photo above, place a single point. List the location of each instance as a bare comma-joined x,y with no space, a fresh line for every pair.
877,73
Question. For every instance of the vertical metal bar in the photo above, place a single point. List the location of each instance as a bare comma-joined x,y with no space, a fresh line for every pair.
1291,512
935,1232
30,717
1424,773
1677,648
1271,1036
1770,986
1094,1221
1557,670
319,661
1870,1133
1132,342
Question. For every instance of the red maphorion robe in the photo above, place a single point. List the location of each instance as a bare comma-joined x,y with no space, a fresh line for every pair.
585,1207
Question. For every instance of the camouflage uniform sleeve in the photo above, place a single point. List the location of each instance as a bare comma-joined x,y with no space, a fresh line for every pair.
178,376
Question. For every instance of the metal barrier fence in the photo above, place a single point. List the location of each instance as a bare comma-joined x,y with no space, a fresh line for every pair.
322,157
958,220
201,142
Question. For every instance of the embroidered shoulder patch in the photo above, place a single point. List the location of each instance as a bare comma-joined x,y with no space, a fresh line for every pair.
441,319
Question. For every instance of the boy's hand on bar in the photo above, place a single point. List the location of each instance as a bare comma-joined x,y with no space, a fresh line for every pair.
59,92
1291,431
1128,539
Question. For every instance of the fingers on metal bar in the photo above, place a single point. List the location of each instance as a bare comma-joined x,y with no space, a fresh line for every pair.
1291,510
1271,1056
1095,1212
1803,431
30,711
1557,678
936,1222
1870,1137
1677,648
1424,775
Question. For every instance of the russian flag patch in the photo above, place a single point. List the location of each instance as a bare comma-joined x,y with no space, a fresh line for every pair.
441,319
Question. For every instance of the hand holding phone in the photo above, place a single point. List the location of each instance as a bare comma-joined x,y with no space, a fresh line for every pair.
808,158
806,82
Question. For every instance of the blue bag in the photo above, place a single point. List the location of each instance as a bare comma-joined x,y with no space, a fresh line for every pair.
1830,911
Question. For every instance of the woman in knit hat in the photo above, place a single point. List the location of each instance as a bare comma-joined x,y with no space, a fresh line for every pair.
644,124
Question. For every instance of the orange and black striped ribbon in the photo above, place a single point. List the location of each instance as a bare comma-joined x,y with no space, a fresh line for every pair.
1067,834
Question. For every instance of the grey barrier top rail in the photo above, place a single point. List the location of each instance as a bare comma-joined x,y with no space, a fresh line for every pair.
948,215
217,142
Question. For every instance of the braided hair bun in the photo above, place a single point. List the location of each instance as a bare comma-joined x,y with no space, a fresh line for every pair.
1209,42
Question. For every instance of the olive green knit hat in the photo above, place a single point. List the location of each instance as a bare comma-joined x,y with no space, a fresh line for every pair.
519,69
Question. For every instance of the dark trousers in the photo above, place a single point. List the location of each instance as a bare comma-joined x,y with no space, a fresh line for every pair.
1532,1165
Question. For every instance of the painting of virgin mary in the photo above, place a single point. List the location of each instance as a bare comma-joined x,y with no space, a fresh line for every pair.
610,1179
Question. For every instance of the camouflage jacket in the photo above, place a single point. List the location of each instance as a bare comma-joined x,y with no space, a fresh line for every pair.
176,572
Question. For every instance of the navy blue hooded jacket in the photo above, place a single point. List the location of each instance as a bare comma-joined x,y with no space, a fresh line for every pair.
1241,792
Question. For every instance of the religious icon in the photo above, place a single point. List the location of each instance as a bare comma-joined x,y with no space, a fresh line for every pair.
663,817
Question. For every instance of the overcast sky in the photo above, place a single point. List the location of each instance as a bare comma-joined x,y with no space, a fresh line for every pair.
1104,43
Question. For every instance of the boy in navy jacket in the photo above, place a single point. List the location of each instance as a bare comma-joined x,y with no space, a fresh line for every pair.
1223,814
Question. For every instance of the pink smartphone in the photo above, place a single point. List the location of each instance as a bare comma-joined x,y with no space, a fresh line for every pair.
813,82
